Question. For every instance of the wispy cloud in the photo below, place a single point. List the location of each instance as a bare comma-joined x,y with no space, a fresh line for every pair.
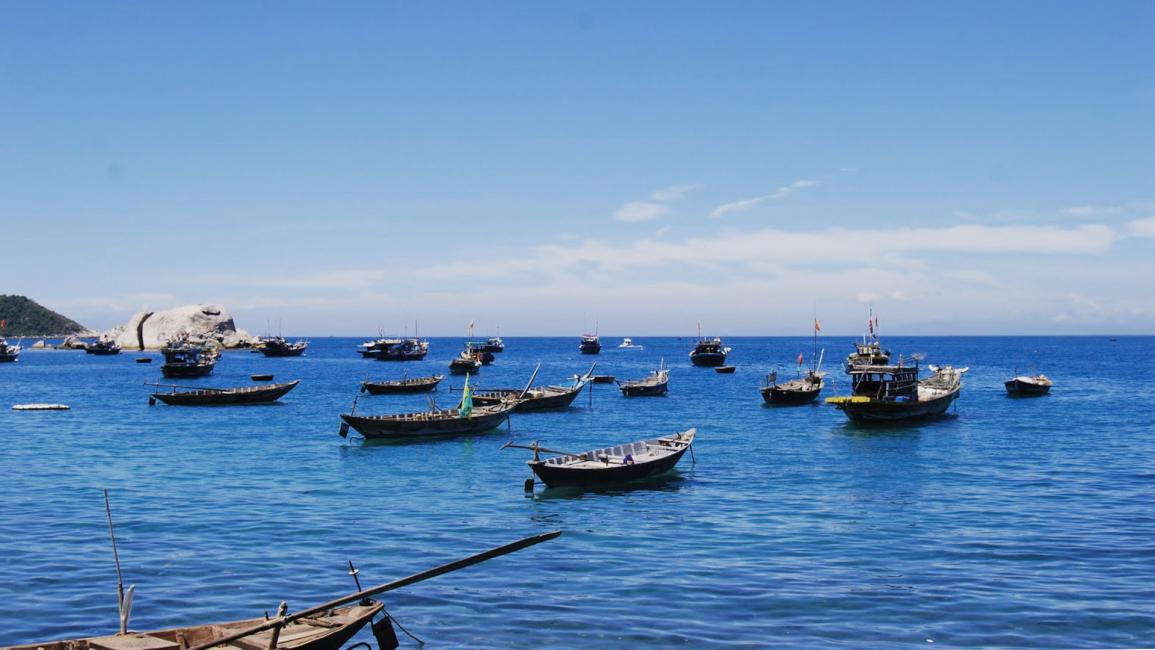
1093,210
652,209
640,211
746,204
674,192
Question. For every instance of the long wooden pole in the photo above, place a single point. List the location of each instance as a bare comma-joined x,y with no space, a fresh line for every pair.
116,558
388,586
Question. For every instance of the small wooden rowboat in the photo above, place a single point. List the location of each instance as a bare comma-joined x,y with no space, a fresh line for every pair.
406,385
656,384
1024,386
189,396
325,627
428,424
628,462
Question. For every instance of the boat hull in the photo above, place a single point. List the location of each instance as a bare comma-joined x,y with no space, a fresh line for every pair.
326,631
402,387
708,359
395,427
187,371
648,390
570,472
590,347
780,396
1019,388
282,352
879,411
248,395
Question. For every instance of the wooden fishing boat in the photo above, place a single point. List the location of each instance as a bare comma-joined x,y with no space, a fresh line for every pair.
628,462
264,377
328,626
590,344
183,359
103,347
536,399
398,386
465,364
725,370
9,353
428,424
395,349
894,394
602,379
1028,386
276,346
655,384
802,390
197,396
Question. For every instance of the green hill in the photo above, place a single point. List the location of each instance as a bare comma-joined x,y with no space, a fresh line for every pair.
26,318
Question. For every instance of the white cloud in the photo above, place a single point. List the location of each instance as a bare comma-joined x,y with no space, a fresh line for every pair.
776,195
639,211
673,193
1092,210
1142,227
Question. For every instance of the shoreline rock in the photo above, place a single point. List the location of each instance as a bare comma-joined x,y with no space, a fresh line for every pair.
151,330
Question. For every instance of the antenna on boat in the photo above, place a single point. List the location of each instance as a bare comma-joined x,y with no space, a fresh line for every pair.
123,598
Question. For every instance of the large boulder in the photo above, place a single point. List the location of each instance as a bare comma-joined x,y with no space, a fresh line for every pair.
152,330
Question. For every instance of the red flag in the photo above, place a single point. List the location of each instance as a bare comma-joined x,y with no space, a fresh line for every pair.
799,358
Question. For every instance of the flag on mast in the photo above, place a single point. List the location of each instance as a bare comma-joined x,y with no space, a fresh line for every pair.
800,358
817,326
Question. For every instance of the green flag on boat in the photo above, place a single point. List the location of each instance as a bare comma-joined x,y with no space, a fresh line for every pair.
466,406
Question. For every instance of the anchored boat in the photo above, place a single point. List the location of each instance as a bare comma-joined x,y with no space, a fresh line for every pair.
185,359
655,384
709,353
628,462
464,419
404,385
895,393
276,346
1029,386
103,346
199,396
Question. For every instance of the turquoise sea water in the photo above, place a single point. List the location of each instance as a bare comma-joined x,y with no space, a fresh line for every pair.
1013,523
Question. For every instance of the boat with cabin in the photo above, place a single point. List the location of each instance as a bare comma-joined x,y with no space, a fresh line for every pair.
708,353
628,344
894,393
609,465
277,346
184,358
590,344
803,389
493,344
9,353
465,363
104,346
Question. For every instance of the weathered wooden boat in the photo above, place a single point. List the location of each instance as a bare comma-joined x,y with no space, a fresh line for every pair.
725,370
802,390
590,344
464,364
404,385
1028,386
655,384
708,353
184,359
428,424
533,398
199,396
276,346
103,347
9,353
328,626
894,393
622,463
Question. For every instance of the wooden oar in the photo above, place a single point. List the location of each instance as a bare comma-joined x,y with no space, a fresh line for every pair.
536,448
530,384
388,586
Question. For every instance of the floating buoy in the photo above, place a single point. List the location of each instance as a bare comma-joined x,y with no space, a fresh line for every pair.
40,407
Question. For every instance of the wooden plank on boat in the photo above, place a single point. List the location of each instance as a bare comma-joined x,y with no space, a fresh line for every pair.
843,399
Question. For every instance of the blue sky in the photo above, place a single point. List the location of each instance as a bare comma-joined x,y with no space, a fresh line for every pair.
339,168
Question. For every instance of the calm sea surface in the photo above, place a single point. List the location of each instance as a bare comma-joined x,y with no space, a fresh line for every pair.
1014,523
